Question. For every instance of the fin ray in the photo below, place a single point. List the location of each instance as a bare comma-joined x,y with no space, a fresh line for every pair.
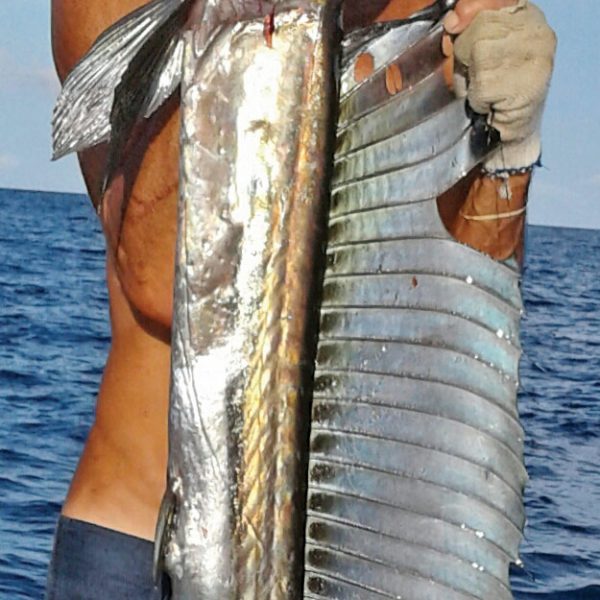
81,117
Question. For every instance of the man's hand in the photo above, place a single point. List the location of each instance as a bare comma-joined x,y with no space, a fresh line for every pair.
460,18
504,58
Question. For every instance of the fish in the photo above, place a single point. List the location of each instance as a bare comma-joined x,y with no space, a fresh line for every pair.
344,375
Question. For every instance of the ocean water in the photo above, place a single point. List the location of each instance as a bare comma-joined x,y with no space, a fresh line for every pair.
54,336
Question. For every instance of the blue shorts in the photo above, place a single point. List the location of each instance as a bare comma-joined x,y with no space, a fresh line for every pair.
94,563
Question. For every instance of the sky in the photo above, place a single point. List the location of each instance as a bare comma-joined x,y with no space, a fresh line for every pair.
566,191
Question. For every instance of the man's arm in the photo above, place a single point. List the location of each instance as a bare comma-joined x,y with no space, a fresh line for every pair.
488,213
501,54
503,57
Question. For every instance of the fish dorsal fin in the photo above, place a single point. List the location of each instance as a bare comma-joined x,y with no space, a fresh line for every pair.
82,116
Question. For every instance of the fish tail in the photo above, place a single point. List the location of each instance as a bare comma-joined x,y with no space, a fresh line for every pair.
131,69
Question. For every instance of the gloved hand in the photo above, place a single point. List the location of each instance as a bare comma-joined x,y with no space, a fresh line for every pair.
503,64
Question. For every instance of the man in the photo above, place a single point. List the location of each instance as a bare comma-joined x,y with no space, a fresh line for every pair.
104,539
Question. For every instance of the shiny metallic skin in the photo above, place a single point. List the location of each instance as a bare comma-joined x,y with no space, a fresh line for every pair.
414,469
256,125
416,459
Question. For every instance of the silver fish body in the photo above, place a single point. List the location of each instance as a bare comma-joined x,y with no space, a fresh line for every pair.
409,483
256,125
416,459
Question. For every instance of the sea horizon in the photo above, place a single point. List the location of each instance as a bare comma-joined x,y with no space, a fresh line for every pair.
85,195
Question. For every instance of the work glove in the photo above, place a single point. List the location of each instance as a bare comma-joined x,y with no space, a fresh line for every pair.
503,65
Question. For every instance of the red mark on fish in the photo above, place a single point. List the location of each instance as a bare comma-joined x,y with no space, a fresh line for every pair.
269,28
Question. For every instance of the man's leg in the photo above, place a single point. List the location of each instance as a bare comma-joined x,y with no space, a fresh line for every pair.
94,563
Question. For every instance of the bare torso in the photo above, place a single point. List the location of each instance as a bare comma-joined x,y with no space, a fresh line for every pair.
121,475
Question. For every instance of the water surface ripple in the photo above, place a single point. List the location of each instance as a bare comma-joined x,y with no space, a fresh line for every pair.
54,336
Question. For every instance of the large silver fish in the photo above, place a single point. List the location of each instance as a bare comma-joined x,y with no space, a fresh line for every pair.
411,483
255,141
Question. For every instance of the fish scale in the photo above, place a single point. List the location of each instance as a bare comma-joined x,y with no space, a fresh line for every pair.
411,493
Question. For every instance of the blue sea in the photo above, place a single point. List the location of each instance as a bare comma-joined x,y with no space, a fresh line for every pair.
54,337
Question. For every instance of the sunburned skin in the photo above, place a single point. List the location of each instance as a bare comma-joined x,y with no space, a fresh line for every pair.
120,478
